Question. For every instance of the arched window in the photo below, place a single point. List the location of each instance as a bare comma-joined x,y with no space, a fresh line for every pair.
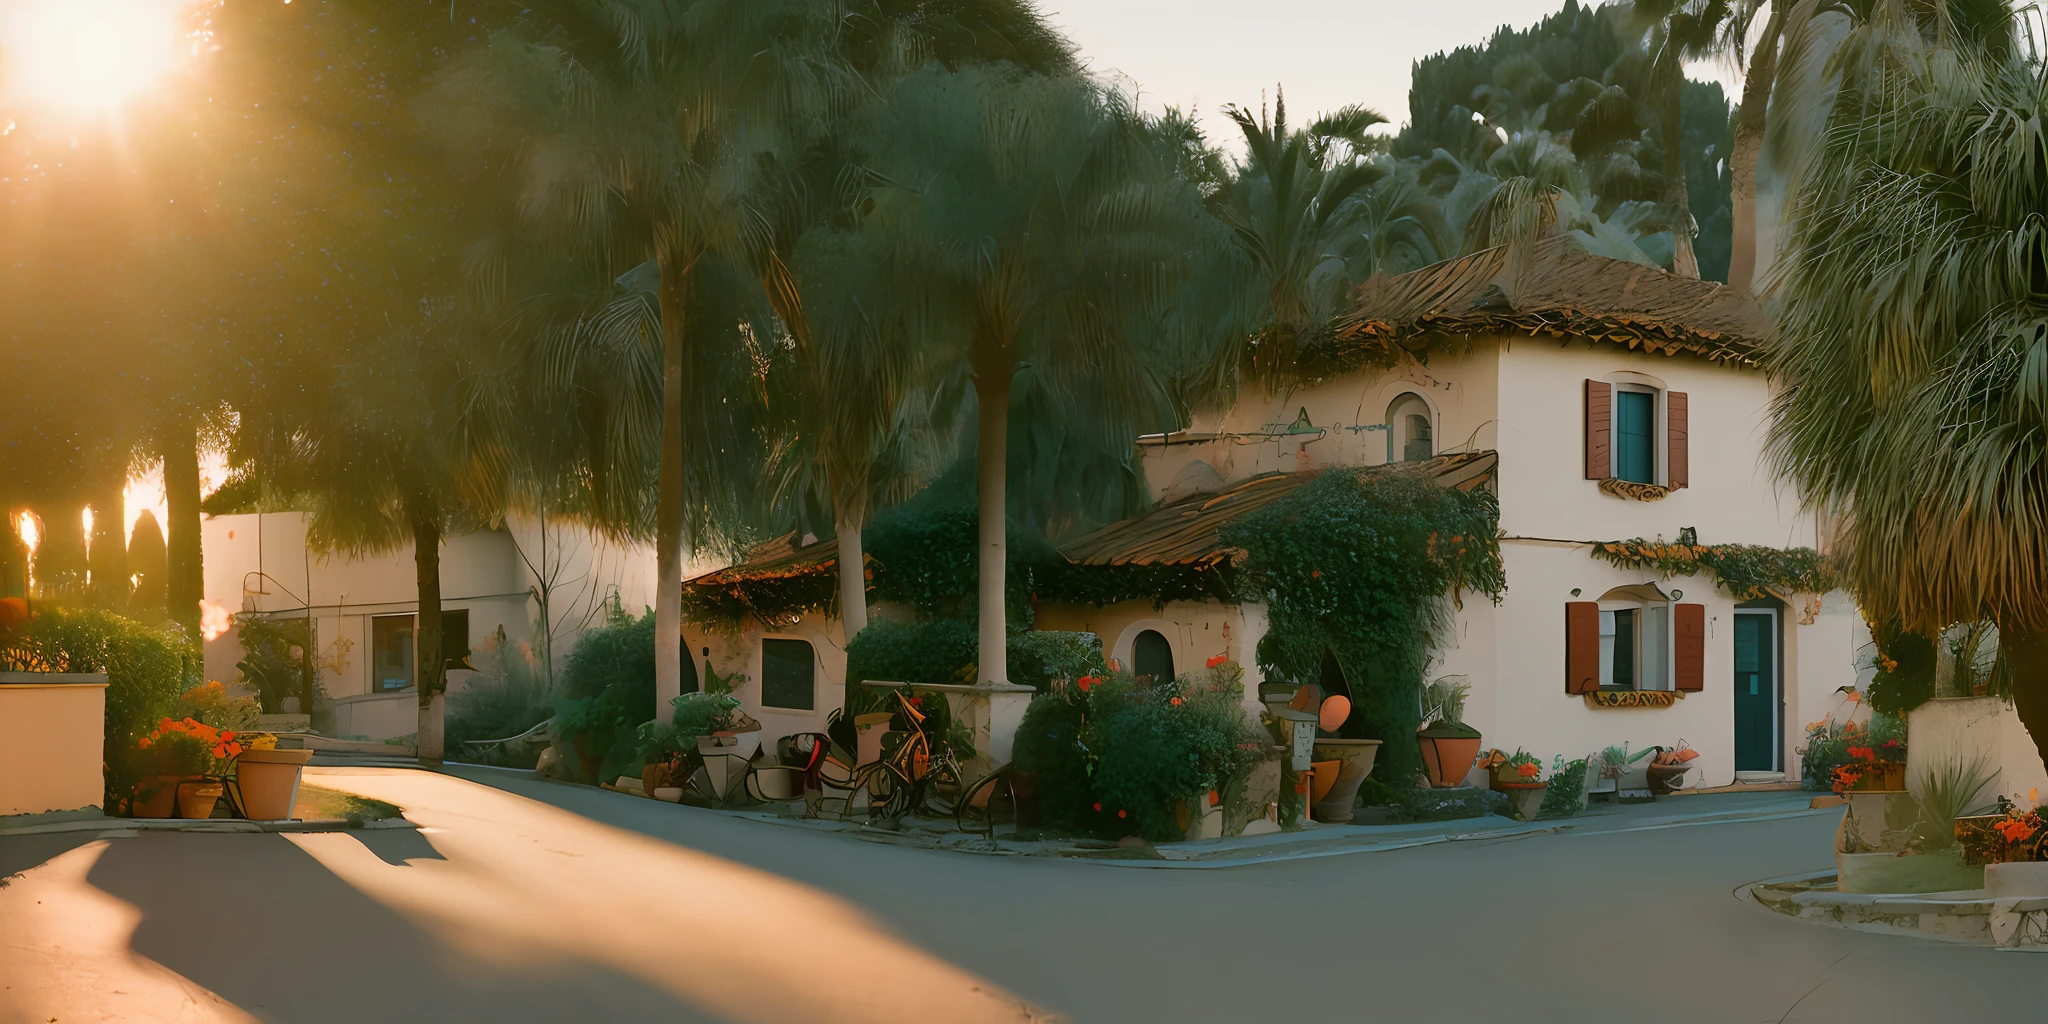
1411,435
1151,655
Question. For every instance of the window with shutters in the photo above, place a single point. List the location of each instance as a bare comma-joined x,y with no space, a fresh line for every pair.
1635,639
1636,432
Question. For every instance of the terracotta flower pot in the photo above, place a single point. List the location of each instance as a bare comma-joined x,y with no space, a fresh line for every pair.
196,798
1664,778
1326,773
1355,758
157,796
1448,758
267,782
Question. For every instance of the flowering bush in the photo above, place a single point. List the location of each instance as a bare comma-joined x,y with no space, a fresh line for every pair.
188,747
1828,747
211,704
1117,755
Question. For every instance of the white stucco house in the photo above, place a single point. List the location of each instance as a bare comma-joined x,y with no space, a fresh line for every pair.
363,608
1599,400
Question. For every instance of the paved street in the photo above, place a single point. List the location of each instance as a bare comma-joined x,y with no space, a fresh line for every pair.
530,901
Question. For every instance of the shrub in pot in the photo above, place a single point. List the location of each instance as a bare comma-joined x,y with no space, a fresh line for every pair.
182,762
1449,746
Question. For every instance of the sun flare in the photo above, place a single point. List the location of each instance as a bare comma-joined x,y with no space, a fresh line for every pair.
87,57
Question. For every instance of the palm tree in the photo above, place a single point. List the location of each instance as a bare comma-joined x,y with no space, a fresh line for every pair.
1032,222
1293,206
1910,344
633,129
1674,32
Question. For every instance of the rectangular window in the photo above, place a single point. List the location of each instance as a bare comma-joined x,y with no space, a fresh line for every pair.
788,675
455,633
391,652
1618,649
1635,430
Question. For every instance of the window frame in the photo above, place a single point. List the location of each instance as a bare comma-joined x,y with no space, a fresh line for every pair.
1658,439
812,668
1652,642
1404,405
407,653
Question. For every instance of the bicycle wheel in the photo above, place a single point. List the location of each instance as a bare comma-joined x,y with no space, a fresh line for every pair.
941,787
982,804
890,791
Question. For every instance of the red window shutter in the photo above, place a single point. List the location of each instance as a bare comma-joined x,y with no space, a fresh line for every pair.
1599,428
1689,623
1581,646
1676,465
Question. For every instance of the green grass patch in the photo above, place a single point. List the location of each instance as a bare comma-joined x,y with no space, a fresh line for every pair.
317,802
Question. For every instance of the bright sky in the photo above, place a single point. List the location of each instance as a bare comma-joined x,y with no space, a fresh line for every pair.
1202,54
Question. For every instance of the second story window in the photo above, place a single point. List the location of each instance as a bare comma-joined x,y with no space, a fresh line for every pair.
1635,434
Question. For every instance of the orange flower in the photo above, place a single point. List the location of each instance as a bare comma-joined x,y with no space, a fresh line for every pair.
1527,771
144,743
1217,660
1175,702
2014,831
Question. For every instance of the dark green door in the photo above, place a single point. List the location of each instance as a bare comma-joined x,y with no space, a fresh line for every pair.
1756,692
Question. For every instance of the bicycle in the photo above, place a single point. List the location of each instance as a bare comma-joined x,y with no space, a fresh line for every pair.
911,775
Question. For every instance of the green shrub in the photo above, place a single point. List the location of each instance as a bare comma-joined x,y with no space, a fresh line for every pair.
147,668
1038,656
1567,793
1827,745
620,652
512,700
273,659
1905,671
1115,756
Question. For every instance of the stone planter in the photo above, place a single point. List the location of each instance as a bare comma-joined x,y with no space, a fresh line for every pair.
1525,797
1355,758
267,782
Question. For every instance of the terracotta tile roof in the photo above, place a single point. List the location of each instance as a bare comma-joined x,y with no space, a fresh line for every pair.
1560,290
1184,532
777,559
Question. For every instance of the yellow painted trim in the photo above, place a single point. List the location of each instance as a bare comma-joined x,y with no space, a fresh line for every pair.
1634,698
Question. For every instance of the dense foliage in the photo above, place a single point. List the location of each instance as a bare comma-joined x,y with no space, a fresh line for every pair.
608,687
147,668
1746,571
1365,566
1112,755
1828,744
1905,670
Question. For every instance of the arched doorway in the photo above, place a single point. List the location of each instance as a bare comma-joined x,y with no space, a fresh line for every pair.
1152,655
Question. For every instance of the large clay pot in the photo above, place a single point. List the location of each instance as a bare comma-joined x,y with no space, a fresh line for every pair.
1356,758
1664,778
196,798
1325,779
1448,759
157,796
268,782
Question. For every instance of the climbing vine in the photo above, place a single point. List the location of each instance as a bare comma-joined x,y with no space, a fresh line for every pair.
1746,571
1366,568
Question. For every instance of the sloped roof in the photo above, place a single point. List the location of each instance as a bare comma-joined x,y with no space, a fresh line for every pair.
1560,290
1184,532
777,559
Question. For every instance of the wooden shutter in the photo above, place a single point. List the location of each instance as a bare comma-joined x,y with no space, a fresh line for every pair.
1677,467
1689,629
1599,428
1581,646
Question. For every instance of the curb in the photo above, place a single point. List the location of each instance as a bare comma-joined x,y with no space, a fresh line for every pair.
224,826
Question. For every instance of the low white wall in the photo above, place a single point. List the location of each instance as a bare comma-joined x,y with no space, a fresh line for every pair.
52,735
378,716
1970,728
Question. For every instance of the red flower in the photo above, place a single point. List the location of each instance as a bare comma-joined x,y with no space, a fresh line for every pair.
1217,660
1120,814
1175,702
1084,683
1098,805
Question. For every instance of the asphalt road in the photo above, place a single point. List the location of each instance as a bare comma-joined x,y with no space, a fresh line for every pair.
531,901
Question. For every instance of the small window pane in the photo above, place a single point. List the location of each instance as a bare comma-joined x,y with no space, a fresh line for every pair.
788,675
1624,672
1152,656
1635,454
391,652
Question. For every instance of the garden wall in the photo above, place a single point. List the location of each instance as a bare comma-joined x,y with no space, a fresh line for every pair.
51,729
1972,727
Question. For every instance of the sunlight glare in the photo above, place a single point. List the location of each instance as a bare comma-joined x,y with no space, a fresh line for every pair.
85,57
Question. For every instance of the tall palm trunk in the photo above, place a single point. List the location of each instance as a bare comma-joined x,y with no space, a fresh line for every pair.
1683,262
849,517
1749,143
423,513
108,557
676,267
992,373
2026,657
185,579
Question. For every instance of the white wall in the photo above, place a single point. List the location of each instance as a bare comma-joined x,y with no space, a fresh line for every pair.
741,652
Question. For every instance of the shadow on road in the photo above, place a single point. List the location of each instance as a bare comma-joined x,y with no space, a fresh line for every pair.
264,924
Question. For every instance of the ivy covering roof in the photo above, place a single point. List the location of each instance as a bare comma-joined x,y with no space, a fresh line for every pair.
779,559
1184,532
1560,290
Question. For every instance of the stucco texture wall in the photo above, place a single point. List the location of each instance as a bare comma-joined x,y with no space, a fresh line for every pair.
51,733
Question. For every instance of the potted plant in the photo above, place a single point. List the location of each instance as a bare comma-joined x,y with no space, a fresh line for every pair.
1449,746
1512,769
267,779
1668,766
1523,784
182,763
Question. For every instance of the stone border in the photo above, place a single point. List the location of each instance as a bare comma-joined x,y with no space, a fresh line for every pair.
1969,917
